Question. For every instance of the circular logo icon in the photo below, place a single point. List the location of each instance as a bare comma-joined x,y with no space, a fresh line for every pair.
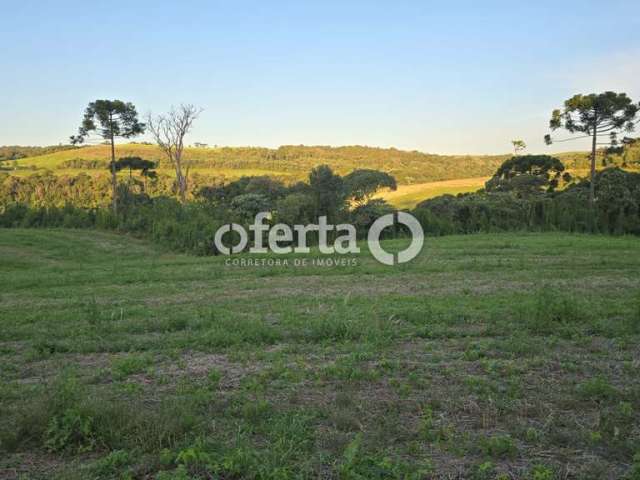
222,248
406,255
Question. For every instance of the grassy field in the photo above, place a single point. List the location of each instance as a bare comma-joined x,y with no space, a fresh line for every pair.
408,196
510,356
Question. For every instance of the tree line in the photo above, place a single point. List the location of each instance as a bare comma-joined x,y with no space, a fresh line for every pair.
15,152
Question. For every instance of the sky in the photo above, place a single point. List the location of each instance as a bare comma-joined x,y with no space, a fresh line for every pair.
440,77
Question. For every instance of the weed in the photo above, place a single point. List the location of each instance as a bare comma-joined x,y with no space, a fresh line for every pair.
432,431
195,456
541,472
255,412
130,364
214,377
484,471
598,389
500,446
180,473
113,463
553,312
71,430
357,465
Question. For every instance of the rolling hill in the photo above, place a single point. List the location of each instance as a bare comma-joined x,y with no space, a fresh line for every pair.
290,162
419,175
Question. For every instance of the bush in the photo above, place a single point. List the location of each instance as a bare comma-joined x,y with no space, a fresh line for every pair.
73,429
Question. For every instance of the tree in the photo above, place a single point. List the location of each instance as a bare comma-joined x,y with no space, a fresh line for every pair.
595,115
169,131
328,191
528,174
363,216
134,163
111,119
146,168
363,184
267,186
518,146
248,205
295,208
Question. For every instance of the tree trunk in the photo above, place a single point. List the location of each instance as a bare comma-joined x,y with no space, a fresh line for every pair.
114,178
592,185
180,180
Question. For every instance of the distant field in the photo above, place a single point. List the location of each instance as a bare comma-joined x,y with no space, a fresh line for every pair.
512,355
408,196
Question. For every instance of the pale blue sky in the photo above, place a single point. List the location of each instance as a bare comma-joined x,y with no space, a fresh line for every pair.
441,77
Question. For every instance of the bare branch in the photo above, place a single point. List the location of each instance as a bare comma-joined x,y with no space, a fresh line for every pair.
169,131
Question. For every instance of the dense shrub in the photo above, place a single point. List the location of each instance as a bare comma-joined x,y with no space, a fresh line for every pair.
616,210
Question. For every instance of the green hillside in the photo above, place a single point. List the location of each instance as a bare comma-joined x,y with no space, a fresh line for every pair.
419,175
290,162
409,167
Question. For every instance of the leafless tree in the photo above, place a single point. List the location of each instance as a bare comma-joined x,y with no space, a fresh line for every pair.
168,131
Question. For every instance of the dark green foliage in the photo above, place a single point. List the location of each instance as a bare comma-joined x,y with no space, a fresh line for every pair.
73,429
618,195
617,209
328,192
470,213
295,208
134,163
363,216
597,389
264,186
84,191
588,113
246,206
187,228
499,446
528,174
596,116
111,119
362,184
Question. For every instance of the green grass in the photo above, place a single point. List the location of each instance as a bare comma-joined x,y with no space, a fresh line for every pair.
489,355
408,196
